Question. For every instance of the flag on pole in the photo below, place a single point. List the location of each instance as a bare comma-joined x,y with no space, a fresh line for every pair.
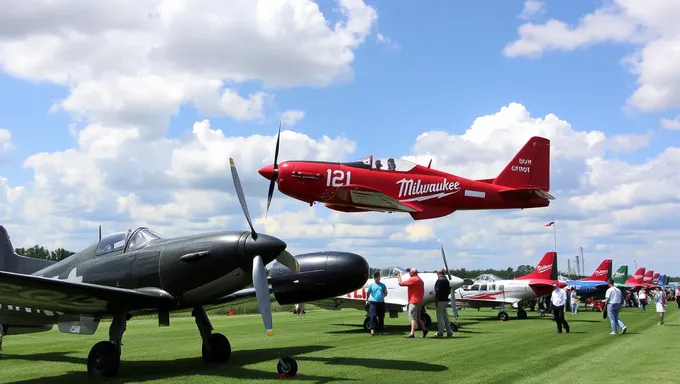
550,224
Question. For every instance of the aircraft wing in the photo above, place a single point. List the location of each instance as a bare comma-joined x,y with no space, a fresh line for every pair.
350,302
65,296
368,198
486,300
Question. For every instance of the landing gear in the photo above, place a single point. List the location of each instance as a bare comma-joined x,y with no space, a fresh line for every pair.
287,366
426,319
367,322
503,316
521,314
216,347
104,357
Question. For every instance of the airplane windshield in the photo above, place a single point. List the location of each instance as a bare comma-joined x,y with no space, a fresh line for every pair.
392,164
487,277
562,278
140,237
110,243
392,272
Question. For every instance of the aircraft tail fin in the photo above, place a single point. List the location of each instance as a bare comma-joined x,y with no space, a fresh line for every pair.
546,268
648,277
661,280
602,273
637,277
11,262
621,275
530,168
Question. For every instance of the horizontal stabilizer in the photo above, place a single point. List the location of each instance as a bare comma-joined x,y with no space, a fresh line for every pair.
537,192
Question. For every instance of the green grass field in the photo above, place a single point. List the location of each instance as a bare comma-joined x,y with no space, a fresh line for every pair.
331,346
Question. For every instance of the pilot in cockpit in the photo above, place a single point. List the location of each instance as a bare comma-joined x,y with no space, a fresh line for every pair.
378,164
391,166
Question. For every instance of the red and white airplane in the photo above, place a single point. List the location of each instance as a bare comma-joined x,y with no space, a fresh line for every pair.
396,300
641,280
491,291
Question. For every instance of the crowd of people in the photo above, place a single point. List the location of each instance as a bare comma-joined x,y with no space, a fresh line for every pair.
559,302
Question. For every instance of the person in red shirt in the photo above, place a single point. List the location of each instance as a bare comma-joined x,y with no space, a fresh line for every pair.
416,291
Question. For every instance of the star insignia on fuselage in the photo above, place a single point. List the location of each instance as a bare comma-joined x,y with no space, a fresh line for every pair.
72,276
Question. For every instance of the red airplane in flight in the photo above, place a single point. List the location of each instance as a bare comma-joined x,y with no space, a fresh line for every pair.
397,185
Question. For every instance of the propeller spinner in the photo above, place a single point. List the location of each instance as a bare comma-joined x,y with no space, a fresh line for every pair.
262,245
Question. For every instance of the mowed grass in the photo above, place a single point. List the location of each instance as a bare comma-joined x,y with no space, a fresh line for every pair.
331,346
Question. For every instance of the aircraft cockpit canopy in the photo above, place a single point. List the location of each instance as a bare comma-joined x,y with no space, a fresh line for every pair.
133,239
562,278
392,272
383,164
487,277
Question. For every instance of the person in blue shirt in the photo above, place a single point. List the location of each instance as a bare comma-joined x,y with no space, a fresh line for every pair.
375,298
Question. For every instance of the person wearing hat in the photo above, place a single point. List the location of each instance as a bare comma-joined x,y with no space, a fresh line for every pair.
558,299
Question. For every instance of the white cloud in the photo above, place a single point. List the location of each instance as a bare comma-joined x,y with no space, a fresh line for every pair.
382,39
5,141
531,9
671,124
291,117
130,62
652,25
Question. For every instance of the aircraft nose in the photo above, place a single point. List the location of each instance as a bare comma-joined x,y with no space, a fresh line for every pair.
455,282
268,247
267,172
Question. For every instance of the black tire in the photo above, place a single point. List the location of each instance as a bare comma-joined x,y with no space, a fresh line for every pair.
219,351
503,316
454,327
103,360
367,322
287,366
522,314
426,319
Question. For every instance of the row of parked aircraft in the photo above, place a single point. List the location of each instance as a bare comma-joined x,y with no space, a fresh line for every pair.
491,291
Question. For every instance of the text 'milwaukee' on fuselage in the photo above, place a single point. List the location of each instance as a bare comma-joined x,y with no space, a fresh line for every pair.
317,181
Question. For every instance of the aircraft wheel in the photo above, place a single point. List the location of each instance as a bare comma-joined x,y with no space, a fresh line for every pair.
503,316
426,319
219,351
287,366
367,322
454,327
103,360
521,314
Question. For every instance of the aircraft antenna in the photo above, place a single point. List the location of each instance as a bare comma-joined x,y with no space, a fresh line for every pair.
100,233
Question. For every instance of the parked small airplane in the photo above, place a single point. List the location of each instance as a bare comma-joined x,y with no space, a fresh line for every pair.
397,185
640,280
620,277
396,300
595,285
492,291
139,272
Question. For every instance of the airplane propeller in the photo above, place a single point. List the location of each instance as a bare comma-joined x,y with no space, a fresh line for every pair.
265,245
275,175
453,296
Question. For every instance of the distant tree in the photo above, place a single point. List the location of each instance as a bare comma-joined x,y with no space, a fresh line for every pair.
40,252
60,254
524,269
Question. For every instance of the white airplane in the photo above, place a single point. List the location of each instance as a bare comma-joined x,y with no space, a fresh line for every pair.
491,291
396,300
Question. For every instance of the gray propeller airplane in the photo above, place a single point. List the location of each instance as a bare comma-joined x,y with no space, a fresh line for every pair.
139,272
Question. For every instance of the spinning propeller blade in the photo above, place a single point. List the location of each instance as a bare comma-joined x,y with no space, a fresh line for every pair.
453,291
275,175
264,246
262,293
241,196
289,261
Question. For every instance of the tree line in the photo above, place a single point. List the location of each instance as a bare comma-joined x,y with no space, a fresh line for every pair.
40,252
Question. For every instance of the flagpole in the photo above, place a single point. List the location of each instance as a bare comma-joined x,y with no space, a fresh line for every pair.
555,233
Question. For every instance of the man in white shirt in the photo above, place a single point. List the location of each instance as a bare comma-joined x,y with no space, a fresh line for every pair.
612,301
558,299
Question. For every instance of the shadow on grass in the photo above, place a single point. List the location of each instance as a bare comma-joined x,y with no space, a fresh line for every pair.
139,371
586,321
389,330
401,365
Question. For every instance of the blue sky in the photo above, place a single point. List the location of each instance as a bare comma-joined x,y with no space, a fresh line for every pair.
444,67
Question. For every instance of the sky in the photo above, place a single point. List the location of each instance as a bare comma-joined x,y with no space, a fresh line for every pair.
124,113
